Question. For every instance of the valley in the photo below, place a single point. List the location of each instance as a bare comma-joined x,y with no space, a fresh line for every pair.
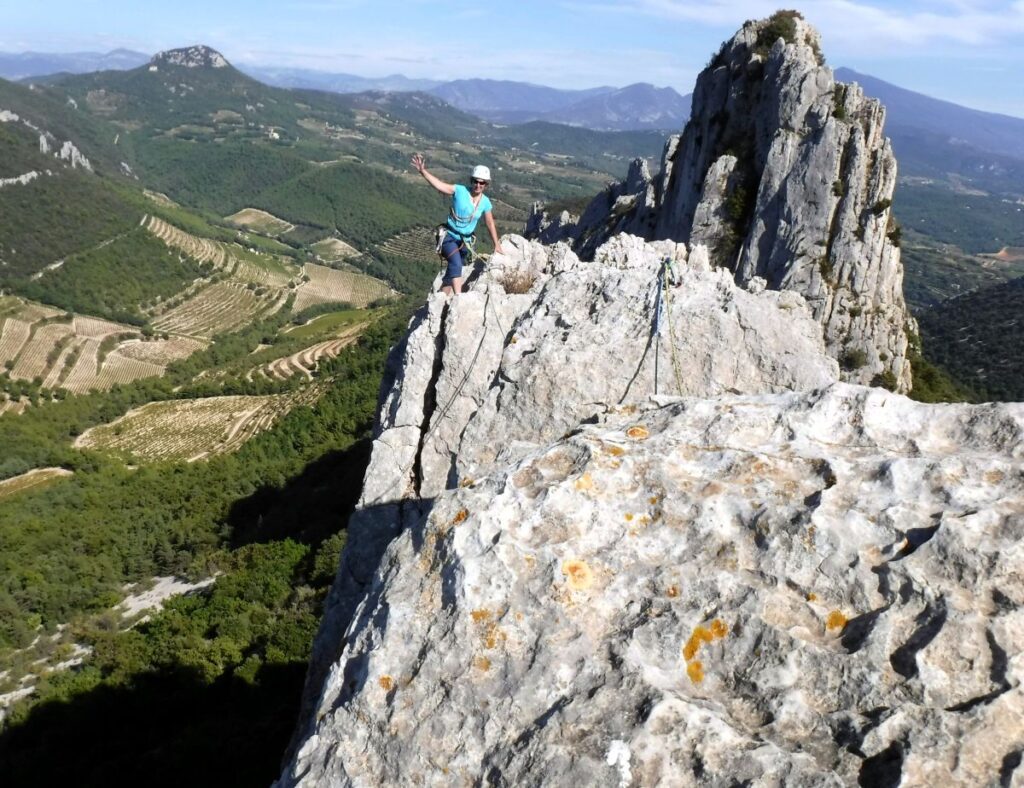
192,336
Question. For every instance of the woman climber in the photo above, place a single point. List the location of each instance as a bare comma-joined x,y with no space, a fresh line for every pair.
468,205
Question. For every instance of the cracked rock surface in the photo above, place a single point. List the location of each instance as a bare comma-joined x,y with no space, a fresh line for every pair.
812,588
758,574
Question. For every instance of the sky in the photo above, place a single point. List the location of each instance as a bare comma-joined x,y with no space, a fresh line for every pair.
965,51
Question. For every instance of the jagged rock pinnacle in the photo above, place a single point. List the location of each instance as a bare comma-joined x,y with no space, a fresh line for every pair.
786,175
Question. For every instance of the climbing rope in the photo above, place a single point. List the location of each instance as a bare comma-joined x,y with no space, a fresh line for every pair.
667,279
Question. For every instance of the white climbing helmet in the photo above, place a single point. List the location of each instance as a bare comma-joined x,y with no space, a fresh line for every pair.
481,173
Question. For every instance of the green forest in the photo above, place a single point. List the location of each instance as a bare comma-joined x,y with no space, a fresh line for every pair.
115,278
978,338
222,670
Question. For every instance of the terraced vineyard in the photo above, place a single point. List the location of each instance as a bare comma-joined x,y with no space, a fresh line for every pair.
38,343
260,221
305,361
416,244
327,285
218,308
202,249
193,429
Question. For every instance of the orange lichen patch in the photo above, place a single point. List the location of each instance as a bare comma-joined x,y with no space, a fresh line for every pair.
836,620
467,482
579,575
482,663
386,683
629,517
638,432
653,500
717,629
585,482
812,597
480,615
695,670
460,517
616,451
493,636
672,592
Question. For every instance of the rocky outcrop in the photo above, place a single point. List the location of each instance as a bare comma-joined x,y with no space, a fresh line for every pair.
758,574
785,175
197,56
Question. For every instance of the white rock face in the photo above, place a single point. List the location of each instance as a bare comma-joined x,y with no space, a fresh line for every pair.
785,175
19,180
69,153
812,588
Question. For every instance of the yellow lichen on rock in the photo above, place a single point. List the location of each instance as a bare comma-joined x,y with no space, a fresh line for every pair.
386,683
836,621
615,451
585,482
579,575
482,664
638,432
460,517
480,615
717,629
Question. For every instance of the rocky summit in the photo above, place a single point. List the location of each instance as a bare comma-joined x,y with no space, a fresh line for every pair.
198,56
786,175
623,525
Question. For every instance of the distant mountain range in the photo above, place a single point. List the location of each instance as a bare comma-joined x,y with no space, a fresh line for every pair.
933,138
20,65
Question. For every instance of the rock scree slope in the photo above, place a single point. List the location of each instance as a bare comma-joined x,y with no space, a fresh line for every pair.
624,524
784,174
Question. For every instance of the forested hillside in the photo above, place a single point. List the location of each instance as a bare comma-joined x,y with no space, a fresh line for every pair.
191,365
979,338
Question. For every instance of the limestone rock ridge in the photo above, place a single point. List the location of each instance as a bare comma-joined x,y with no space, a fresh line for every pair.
624,524
596,546
784,174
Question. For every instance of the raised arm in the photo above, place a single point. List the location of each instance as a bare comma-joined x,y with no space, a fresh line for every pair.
420,165
489,220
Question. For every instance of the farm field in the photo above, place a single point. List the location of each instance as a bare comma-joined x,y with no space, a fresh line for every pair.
334,250
218,308
31,480
305,362
260,221
326,285
330,325
416,244
202,249
38,343
192,429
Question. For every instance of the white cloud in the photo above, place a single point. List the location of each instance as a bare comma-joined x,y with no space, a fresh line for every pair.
855,23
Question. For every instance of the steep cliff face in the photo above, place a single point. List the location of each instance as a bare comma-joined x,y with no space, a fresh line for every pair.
786,175
598,547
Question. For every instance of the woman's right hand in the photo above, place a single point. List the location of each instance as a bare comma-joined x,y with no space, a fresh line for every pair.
418,163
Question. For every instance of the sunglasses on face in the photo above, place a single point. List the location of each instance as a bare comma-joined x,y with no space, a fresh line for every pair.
477,182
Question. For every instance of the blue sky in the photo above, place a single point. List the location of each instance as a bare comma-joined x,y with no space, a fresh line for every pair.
966,51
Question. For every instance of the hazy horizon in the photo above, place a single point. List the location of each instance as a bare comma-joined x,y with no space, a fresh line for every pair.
962,51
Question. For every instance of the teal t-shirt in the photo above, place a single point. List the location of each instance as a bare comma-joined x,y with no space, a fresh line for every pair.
463,216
